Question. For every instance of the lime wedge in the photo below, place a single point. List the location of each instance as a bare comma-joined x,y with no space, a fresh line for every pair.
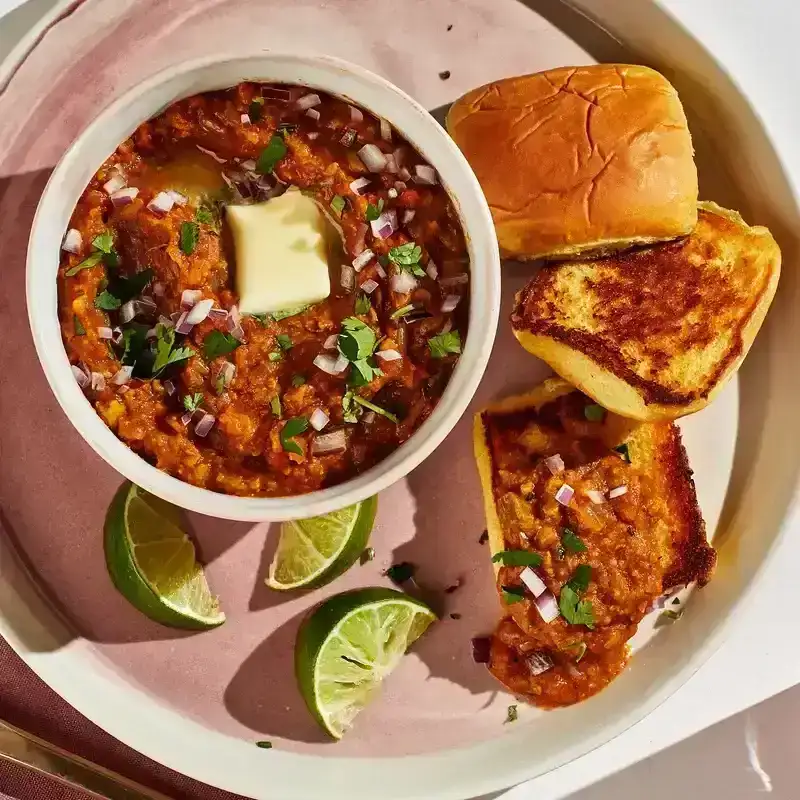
348,645
152,561
312,552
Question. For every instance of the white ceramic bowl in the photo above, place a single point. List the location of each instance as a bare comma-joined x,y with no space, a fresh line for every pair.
146,100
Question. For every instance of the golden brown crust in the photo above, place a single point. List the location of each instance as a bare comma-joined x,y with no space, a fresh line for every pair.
654,333
577,160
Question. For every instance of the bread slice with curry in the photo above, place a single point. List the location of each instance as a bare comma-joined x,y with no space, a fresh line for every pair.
654,333
591,519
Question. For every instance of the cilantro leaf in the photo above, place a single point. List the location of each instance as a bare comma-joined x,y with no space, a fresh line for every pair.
264,745
218,343
594,412
289,312
362,401
518,558
190,233
77,326
275,406
351,411
284,341
363,304
373,212
512,594
572,541
126,288
275,356
298,380
256,109
444,344
191,402
166,352
90,261
106,301
338,204
134,341
271,155
104,242
363,372
624,452
293,427
573,609
580,578
205,215
405,255
357,340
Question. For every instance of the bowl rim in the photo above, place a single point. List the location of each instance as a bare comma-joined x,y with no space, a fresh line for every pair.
483,317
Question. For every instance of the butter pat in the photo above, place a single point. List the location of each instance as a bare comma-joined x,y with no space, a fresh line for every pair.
281,254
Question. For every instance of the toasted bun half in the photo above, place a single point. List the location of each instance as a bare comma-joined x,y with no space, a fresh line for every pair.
655,333
583,160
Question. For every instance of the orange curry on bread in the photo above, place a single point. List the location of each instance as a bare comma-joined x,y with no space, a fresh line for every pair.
269,404
598,520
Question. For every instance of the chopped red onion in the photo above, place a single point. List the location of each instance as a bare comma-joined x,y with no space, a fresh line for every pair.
122,376
372,157
389,355
123,389
175,316
187,417
308,101
212,154
424,174
348,279
481,649
385,225
450,302
341,364
73,242
249,165
117,338
539,663
348,137
405,175
234,318
152,333
166,321
127,312
386,129
238,333
114,184
362,259
547,606
432,270
455,280
199,312
218,313
319,419
368,418
203,428
618,492
105,333
565,494
245,119
182,326
178,198
403,282
533,582
447,327
369,286
80,376
356,115
162,203
124,196
391,164
313,113
330,442
598,498
145,306
98,382
226,373
380,270
392,193
330,342
328,364
399,185
312,135
189,297
169,387
358,184
159,290
555,464
408,215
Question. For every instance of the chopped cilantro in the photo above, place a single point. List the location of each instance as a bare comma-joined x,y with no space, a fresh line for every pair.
293,427
284,341
276,355
667,617
218,343
134,341
402,311
367,556
126,288
256,109
362,401
406,257
622,449
104,251
298,380
78,326
444,344
512,594
351,411
90,261
357,340
191,402
205,215
594,412
166,352
271,155
338,204
264,745
275,406
363,372
572,541
517,558
190,233
374,211
104,242
262,319
511,714
289,312
401,573
579,581
575,610
363,304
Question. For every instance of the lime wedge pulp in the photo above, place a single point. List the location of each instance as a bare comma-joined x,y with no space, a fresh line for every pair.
152,561
312,552
348,645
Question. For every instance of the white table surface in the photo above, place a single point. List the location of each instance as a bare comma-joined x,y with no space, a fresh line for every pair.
756,42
